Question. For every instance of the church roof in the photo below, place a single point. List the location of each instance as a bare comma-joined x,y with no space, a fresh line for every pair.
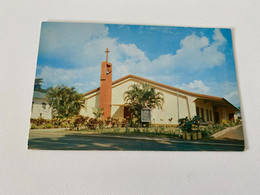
40,95
209,97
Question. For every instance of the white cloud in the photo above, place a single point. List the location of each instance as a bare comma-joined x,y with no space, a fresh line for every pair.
58,75
81,78
122,70
233,97
195,86
196,53
218,37
83,46
228,90
231,94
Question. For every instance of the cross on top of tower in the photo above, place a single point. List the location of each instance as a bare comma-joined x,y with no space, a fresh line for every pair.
107,54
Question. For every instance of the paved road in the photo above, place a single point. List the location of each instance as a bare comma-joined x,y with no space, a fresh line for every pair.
49,140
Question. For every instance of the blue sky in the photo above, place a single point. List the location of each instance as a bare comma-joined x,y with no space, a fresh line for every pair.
195,59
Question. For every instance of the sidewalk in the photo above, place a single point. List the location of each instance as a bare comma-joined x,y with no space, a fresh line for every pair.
233,133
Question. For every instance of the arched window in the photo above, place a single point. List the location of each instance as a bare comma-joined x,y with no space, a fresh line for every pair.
43,105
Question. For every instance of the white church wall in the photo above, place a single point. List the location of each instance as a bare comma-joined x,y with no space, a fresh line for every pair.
118,92
170,108
91,102
39,110
192,105
187,107
117,110
159,116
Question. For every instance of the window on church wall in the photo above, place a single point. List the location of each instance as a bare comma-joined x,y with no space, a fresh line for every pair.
202,113
197,111
44,105
207,113
210,115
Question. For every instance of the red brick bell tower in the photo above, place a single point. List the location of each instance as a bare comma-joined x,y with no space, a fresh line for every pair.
105,87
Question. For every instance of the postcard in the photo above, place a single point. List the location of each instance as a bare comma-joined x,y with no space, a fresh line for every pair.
135,87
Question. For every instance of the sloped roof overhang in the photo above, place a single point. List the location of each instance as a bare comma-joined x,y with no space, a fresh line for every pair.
214,99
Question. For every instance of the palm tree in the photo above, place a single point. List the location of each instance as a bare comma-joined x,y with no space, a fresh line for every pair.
38,83
98,112
65,101
142,96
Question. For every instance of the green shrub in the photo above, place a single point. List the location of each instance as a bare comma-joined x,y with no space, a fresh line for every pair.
124,122
127,129
161,129
187,125
101,124
156,129
33,126
92,124
115,122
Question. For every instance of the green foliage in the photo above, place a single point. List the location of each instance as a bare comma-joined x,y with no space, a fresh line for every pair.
124,122
115,123
101,124
228,123
65,101
161,129
142,96
187,125
79,121
98,112
38,85
127,129
212,129
92,123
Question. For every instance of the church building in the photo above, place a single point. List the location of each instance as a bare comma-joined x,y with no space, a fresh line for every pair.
177,104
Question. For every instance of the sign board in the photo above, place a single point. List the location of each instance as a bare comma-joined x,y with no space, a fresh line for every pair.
146,115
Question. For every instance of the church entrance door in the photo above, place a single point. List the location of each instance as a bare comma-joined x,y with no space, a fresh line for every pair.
127,112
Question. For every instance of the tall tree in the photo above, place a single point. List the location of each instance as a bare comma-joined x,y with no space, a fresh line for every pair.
65,101
142,96
38,83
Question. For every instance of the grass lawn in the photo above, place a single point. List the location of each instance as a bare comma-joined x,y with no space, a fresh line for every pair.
147,132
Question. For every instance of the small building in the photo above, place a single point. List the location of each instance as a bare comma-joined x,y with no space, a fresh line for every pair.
178,103
40,107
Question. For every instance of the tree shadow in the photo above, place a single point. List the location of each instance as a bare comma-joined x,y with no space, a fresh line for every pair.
74,142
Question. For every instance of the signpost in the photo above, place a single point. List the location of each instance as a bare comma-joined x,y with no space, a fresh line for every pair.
146,115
